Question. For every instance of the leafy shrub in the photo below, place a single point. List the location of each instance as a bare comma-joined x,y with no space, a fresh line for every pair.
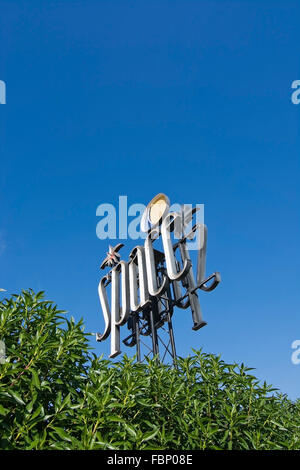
54,394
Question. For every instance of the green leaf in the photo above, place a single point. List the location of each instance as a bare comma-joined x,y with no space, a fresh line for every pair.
149,435
116,419
63,434
29,407
37,412
130,429
3,411
35,379
16,397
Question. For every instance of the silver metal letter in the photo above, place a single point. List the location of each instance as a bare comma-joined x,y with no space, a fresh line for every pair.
193,297
116,321
154,290
171,262
112,318
125,308
105,307
202,253
138,279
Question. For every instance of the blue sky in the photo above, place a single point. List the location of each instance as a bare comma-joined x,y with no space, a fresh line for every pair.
189,98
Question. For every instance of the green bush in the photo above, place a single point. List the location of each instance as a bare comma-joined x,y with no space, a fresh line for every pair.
54,394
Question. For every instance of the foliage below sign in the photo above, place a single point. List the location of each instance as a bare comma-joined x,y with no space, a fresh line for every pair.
55,395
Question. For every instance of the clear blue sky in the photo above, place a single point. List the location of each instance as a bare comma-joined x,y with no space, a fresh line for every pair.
189,98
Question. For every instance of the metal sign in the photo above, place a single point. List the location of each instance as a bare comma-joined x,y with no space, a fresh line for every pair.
145,290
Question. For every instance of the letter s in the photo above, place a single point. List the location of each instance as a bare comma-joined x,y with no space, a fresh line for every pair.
105,308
